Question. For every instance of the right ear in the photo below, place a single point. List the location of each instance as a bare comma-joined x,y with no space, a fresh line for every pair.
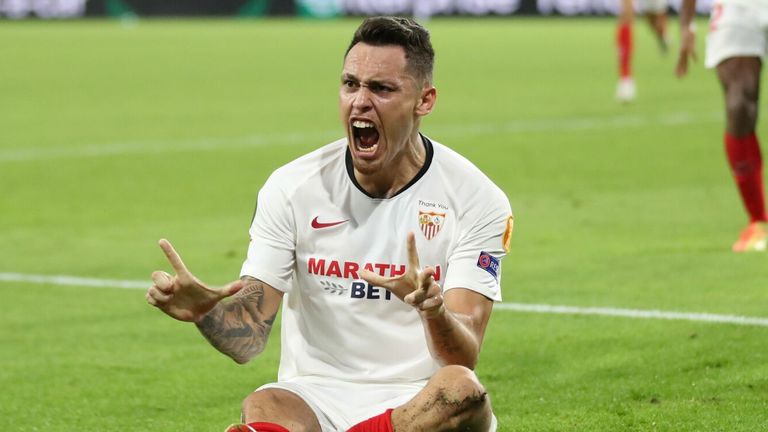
426,101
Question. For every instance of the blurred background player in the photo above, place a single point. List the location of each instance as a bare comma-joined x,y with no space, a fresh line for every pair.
656,13
736,45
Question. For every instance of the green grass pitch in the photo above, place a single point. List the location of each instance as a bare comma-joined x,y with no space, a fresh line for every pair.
113,135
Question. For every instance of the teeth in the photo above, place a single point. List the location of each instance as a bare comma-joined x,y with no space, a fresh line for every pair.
362,124
371,149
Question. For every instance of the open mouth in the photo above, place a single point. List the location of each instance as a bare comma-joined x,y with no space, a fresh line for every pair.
366,137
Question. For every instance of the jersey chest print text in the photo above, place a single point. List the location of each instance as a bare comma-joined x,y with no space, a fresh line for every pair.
341,276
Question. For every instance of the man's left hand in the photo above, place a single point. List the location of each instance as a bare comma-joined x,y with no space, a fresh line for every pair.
416,287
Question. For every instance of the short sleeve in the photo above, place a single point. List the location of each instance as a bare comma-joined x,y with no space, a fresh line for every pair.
475,262
272,250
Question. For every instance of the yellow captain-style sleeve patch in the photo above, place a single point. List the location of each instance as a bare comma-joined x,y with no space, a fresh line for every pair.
507,238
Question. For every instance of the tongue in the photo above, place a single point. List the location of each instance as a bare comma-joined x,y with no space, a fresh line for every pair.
368,137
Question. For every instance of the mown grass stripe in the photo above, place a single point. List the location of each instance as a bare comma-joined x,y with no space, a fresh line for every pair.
309,137
516,307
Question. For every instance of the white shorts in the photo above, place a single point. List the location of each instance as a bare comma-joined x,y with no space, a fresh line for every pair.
340,405
736,29
651,6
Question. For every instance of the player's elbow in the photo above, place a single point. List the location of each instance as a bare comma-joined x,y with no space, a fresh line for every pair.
244,357
240,360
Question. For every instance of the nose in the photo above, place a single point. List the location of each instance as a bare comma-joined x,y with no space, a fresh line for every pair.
361,101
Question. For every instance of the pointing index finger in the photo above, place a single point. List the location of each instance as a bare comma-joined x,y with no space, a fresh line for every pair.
413,254
173,257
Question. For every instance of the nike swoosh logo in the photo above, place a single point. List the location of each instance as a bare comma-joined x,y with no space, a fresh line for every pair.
319,225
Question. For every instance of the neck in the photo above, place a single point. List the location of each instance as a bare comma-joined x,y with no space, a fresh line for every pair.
398,173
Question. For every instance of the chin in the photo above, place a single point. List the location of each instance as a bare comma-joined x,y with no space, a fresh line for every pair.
365,167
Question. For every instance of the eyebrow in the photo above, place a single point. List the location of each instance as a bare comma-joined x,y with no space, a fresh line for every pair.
349,76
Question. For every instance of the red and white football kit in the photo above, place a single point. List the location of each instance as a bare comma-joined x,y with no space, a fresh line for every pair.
737,28
352,350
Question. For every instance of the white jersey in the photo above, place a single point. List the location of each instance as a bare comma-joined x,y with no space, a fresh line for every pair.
315,229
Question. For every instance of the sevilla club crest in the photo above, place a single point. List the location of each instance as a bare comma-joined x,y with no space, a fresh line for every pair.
430,223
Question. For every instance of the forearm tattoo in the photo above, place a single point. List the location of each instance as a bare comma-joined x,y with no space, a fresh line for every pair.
240,327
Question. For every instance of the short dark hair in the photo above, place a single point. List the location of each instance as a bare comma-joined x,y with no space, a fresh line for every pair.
403,32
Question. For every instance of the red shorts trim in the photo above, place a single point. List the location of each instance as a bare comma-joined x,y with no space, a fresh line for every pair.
267,427
379,423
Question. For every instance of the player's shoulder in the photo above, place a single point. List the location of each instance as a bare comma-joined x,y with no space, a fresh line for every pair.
465,175
308,167
451,159
310,163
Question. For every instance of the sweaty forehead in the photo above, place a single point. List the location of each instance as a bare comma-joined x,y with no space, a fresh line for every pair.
376,62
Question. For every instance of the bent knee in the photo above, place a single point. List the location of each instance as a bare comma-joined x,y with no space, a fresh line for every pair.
280,407
452,400
458,376
459,387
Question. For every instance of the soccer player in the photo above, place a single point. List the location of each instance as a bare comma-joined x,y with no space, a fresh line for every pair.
736,45
656,14
384,249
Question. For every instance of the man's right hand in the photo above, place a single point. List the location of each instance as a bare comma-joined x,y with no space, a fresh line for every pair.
687,50
184,296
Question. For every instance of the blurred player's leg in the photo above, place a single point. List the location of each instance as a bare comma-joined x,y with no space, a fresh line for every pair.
658,23
753,238
625,89
740,79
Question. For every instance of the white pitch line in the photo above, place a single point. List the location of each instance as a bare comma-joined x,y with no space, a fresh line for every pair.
164,146
517,307
317,138
634,313
73,280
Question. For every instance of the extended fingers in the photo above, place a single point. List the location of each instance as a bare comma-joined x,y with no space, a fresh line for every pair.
173,256
413,254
